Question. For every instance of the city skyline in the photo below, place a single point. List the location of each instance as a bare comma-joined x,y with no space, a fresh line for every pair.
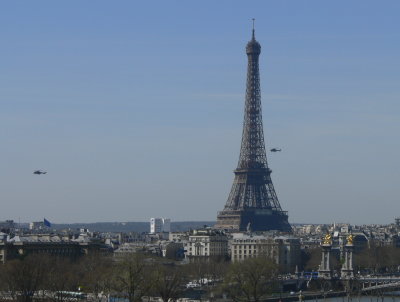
136,111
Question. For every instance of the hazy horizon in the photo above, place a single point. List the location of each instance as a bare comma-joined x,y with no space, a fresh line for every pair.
196,221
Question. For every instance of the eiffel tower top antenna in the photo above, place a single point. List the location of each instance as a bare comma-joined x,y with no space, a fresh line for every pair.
253,29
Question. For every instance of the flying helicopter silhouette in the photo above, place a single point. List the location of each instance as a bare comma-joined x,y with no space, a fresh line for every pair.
39,172
275,150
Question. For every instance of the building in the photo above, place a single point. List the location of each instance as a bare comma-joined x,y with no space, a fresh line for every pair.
126,249
7,226
252,203
205,244
18,246
160,225
172,250
177,236
283,250
36,225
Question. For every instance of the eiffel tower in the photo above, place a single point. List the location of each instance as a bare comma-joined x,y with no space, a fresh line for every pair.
252,203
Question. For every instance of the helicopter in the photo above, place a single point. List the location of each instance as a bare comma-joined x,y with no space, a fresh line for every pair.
39,172
275,150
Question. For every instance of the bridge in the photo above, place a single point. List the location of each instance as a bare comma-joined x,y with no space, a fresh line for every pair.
369,284
379,283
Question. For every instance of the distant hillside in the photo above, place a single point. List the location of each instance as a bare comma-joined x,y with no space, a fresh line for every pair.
176,226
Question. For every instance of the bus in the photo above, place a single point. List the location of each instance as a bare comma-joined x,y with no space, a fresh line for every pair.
70,296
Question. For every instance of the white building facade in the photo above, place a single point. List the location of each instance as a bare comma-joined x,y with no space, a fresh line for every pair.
160,225
205,244
284,251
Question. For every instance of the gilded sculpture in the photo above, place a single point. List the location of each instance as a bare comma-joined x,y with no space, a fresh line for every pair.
327,239
350,239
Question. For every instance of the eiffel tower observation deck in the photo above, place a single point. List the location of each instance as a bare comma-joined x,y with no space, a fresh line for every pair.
252,203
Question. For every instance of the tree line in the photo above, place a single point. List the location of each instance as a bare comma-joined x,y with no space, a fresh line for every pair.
138,275
133,277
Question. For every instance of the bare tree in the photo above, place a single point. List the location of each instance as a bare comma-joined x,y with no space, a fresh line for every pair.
197,270
216,269
132,277
167,282
61,276
96,271
378,258
251,279
312,258
23,277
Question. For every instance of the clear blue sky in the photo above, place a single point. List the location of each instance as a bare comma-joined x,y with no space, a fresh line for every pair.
135,108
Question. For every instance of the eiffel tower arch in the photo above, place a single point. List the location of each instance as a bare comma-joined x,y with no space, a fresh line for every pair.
252,203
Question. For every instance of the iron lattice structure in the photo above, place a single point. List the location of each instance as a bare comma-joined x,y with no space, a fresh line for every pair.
252,202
